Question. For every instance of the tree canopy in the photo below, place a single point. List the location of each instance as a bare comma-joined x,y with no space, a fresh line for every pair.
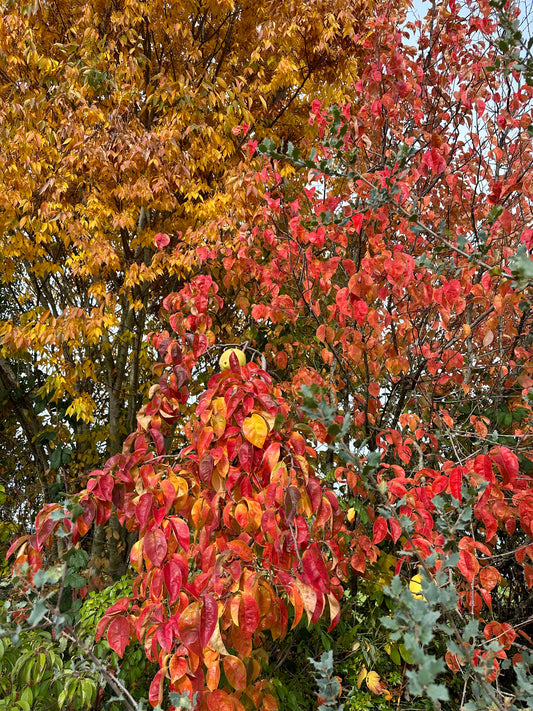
119,122
344,196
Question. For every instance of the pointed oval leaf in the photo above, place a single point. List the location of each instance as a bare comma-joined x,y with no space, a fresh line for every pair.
219,700
315,569
456,482
172,577
155,694
178,667
255,429
489,577
118,634
208,619
189,627
155,546
235,672
374,682
379,530
248,615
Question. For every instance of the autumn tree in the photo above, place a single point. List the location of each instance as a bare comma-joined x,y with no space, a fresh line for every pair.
367,472
119,122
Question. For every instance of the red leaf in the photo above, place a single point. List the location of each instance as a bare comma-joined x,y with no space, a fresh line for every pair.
315,568
234,364
379,530
155,546
208,619
468,565
360,310
143,509
395,529
200,344
506,220
357,221
292,499
118,634
452,660
206,467
181,529
507,463
189,627
165,635
105,486
119,606
483,467
456,481
434,160
182,376
172,577
271,457
246,453
235,672
205,438
452,291
491,524
248,614
100,627
161,240
159,440
16,544
155,695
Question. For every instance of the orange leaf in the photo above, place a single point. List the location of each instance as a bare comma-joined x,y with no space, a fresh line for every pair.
489,577
309,598
235,672
269,703
468,565
298,607
219,700
212,676
177,667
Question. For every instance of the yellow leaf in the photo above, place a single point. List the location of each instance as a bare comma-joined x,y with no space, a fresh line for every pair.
361,677
255,430
374,682
216,642
415,586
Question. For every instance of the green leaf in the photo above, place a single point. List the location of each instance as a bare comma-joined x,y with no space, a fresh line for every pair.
38,612
55,459
437,692
74,580
182,701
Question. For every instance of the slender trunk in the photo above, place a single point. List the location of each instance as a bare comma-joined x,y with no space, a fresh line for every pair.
29,421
